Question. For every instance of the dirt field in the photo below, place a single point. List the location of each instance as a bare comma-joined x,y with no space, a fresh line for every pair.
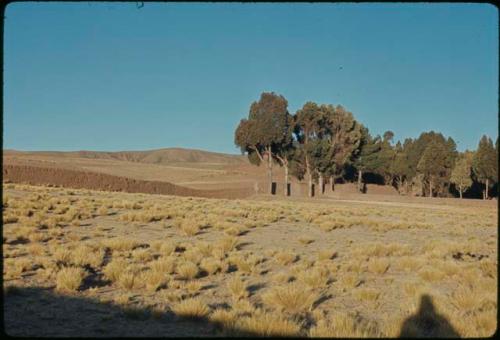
179,172
99,181
184,167
93,263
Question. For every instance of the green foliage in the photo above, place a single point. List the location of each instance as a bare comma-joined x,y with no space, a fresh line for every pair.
432,164
461,173
326,140
399,166
267,131
485,162
328,137
414,150
267,125
368,159
344,135
309,123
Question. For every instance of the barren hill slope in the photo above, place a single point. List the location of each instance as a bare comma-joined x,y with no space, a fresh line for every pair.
159,156
190,168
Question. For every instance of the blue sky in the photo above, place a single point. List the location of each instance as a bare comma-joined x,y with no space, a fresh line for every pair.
110,76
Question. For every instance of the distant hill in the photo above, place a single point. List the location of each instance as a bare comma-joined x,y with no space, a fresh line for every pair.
160,156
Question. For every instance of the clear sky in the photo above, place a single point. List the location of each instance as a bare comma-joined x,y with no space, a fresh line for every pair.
110,76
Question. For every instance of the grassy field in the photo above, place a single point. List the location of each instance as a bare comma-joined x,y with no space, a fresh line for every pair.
89,263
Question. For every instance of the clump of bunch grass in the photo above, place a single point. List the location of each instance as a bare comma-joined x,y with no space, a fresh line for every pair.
70,278
192,308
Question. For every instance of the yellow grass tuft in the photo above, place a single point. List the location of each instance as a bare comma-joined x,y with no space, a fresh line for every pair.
238,288
192,308
292,298
187,270
268,325
113,270
70,278
378,266
286,258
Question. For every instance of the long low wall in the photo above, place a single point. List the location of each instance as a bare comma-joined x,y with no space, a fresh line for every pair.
98,181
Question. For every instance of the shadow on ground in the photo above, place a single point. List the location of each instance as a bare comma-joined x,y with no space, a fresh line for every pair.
427,323
40,312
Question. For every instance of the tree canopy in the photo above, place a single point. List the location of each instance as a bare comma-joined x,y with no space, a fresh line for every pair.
324,142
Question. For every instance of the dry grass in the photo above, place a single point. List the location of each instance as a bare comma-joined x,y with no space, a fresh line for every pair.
285,258
326,255
431,274
291,298
187,270
70,278
114,269
315,278
238,288
85,255
340,326
378,266
257,284
305,240
367,294
120,244
227,244
266,324
167,248
127,280
225,319
210,265
163,265
154,280
192,308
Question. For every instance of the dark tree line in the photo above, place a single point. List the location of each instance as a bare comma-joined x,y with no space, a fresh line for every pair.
324,144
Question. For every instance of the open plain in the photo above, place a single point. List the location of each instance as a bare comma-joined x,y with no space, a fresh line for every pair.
80,262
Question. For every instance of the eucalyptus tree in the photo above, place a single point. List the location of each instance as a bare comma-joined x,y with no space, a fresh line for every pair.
462,171
367,157
265,129
343,134
485,164
308,122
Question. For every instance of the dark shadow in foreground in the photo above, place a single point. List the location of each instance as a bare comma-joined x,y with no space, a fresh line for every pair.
39,312
427,323
36,311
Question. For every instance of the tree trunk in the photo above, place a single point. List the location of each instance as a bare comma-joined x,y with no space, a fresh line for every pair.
321,184
460,191
430,188
270,170
310,184
360,180
286,180
332,183
486,189
309,177
399,184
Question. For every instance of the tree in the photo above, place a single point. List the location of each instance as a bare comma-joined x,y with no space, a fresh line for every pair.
266,128
386,157
367,155
343,134
432,164
388,136
284,151
485,163
399,166
308,121
414,150
461,174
